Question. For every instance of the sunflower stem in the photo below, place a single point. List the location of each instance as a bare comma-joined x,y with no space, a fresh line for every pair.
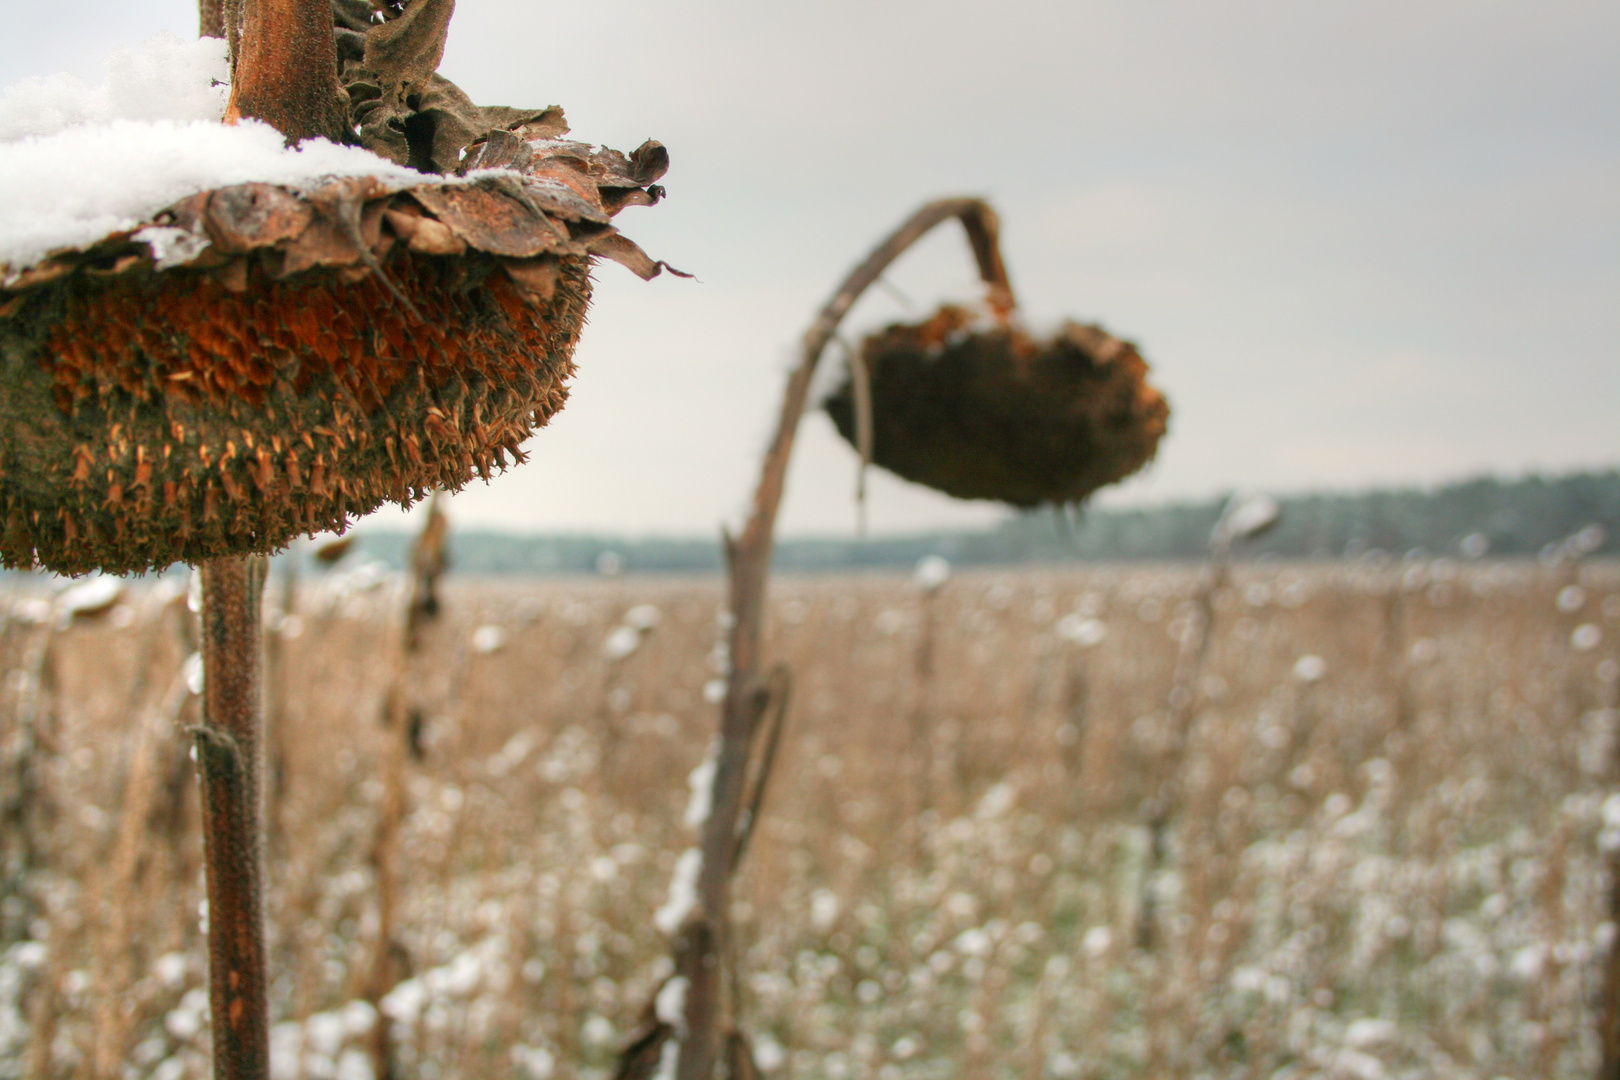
284,70
230,769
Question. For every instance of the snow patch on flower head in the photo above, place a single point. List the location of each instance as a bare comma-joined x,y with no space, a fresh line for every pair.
163,79
89,181
79,163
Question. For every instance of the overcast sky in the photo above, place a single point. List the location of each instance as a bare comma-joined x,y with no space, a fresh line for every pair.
1361,242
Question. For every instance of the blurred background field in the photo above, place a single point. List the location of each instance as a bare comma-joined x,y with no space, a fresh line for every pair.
1385,856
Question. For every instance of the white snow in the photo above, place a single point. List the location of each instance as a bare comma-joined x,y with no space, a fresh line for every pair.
1082,631
536,1061
92,596
164,79
701,783
1368,1032
1246,516
669,1060
643,617
623,641
932,572
670,1004
488,639
79,163
682,892
1310,668
192,672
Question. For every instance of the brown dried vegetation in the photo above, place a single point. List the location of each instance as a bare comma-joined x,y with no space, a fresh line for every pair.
1410,841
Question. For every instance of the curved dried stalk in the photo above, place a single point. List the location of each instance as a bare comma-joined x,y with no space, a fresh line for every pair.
748,558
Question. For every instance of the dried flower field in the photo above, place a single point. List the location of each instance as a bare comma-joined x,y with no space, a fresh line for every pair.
1384,854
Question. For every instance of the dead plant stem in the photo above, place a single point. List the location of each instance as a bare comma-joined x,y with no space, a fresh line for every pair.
231,767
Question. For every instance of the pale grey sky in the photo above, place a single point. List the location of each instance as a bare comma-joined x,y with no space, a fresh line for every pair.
1361,242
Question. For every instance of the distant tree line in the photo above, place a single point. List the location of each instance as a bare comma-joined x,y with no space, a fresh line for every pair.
1499,518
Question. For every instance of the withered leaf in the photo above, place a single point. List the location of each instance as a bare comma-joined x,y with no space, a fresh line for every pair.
247,216
566,193
352,14
624,251
404,110
535,278
500,150
324,243
650,161
490,220
405,52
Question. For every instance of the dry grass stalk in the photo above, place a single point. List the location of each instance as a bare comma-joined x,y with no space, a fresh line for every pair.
389,961
283,616
132,855
27,803
1243,519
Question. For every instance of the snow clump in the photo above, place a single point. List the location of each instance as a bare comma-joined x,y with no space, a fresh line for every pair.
78,164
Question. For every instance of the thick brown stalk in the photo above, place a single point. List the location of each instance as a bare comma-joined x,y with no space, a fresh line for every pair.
749,559
230,765
285,70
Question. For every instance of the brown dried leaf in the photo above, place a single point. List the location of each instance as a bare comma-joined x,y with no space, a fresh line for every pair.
624,251
565,192
499,150
490,220
430,237
405,52
535,278
325,243
247,216
615,199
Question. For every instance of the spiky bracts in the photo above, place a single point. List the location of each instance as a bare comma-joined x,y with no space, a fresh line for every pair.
987,412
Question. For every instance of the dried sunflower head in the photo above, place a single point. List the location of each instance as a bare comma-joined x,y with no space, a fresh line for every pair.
979,410
260,360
